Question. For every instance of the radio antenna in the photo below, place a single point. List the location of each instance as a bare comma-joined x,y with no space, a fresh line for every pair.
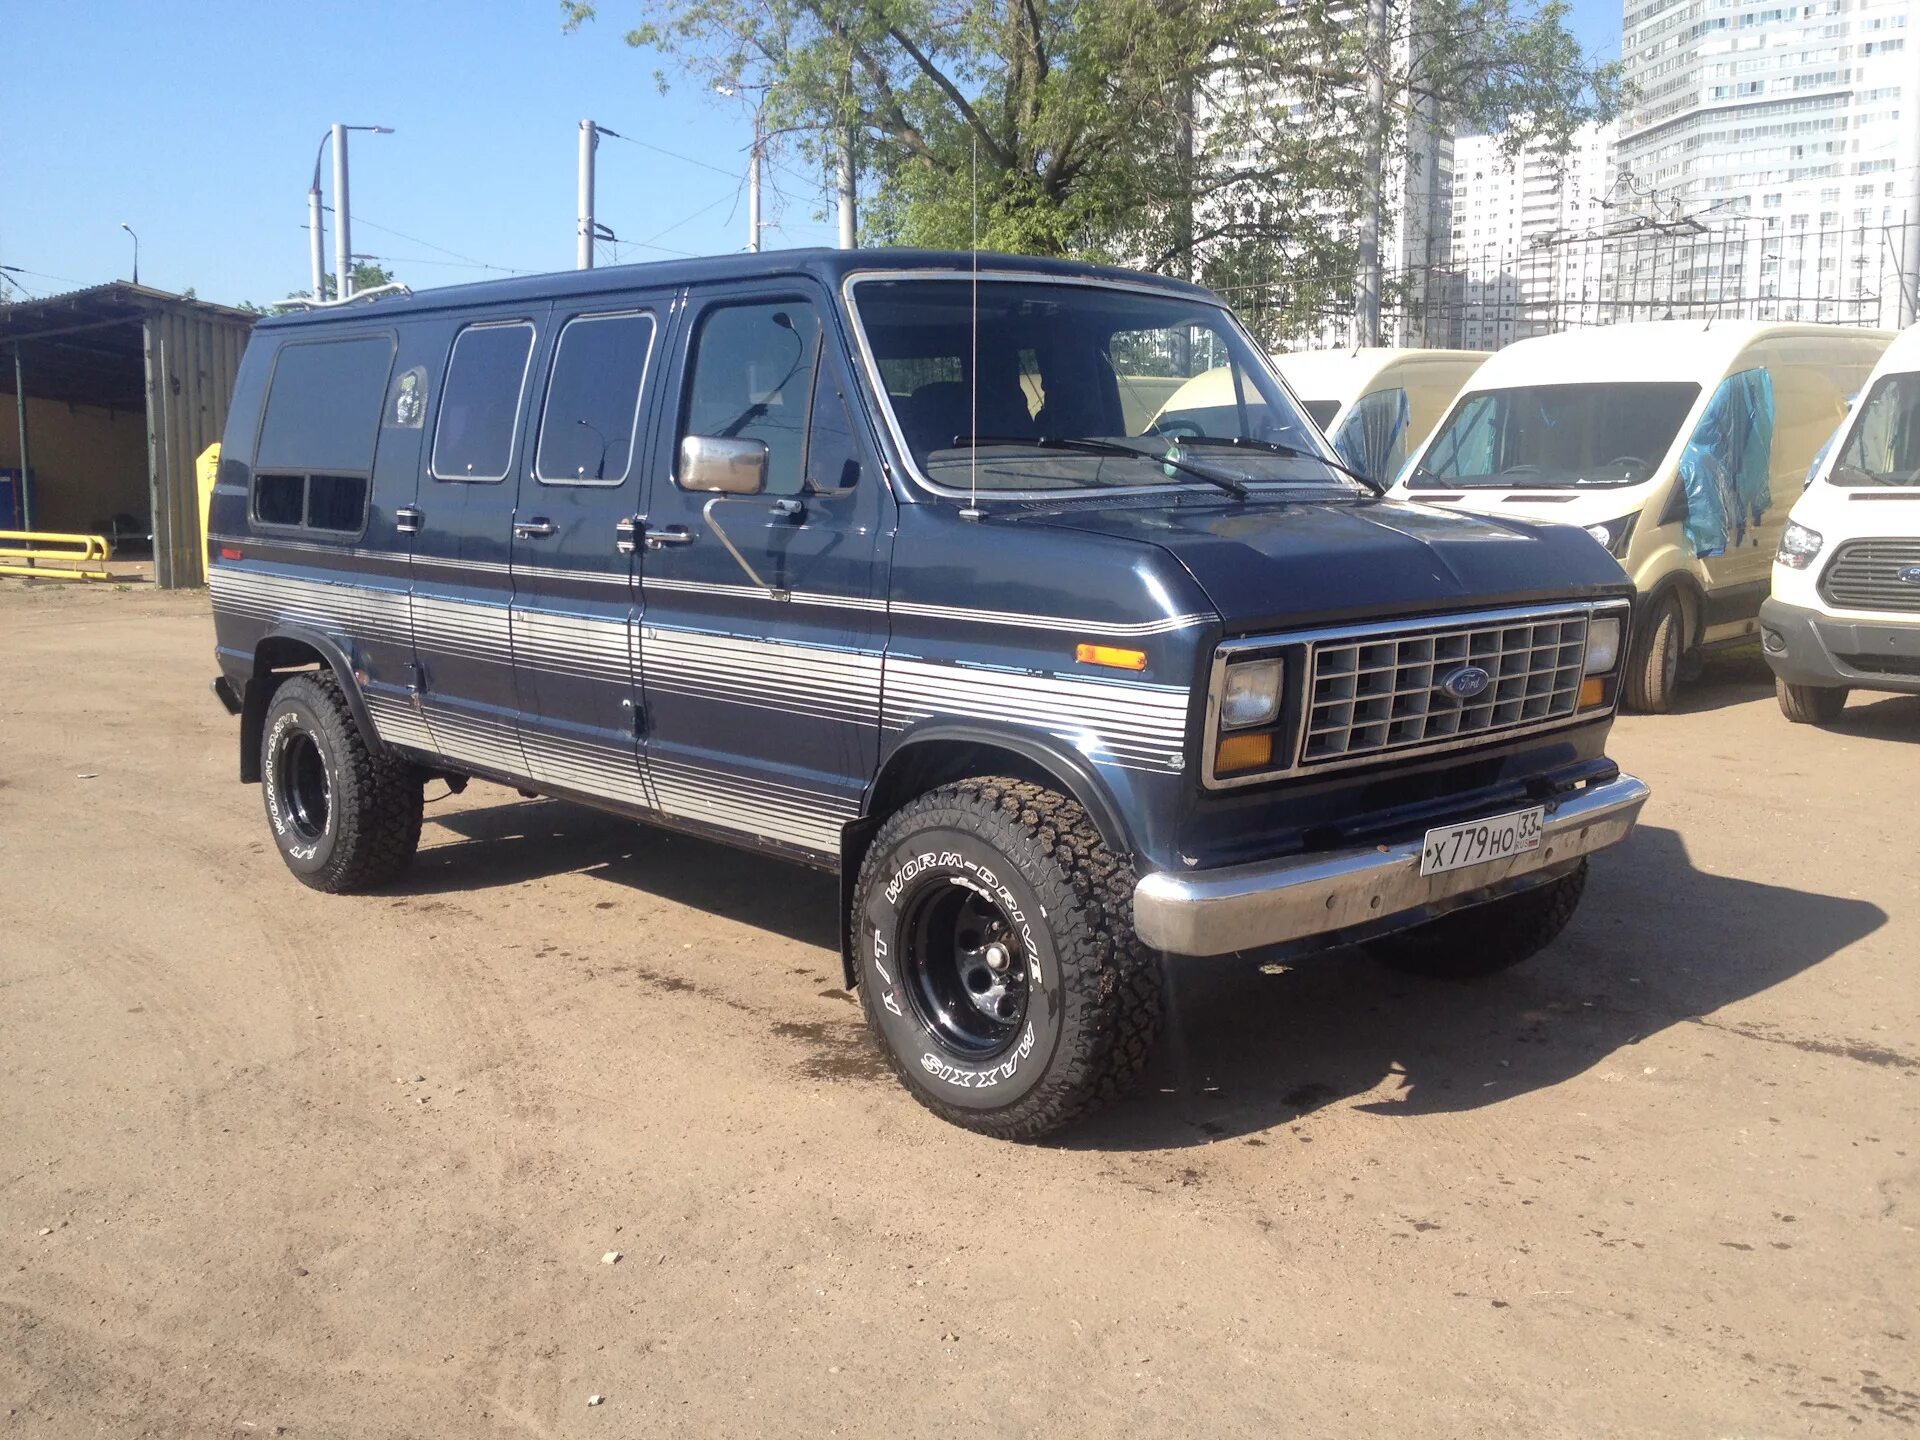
973,511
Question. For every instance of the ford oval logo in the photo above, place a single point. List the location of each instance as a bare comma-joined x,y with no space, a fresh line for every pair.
1911,574
1466,682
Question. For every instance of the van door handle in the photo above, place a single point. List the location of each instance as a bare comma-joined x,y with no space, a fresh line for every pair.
407,519
532,529
671,535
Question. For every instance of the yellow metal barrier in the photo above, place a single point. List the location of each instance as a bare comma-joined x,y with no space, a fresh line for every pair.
48,555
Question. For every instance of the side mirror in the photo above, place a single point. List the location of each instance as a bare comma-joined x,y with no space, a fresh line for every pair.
724,466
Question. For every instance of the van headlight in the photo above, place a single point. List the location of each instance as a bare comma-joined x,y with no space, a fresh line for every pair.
1250,694
1603,644
1614,534
1798,546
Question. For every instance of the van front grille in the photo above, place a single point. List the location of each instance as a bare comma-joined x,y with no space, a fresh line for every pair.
1867,575
1381,693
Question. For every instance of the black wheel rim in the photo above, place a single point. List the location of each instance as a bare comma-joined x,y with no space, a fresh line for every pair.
306,792
966,972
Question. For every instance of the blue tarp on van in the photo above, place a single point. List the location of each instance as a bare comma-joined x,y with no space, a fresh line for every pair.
1727,467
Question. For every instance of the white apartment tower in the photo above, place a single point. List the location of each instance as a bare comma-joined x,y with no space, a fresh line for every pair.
1521,242
1792,131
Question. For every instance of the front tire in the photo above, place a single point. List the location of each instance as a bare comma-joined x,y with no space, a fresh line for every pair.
343,817
1485,939
1810,704
998,965
1653,670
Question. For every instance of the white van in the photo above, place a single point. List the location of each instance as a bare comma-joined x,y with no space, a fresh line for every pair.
1377,403
1678,444
1845,608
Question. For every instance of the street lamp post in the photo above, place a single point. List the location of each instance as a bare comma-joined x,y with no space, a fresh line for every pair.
136,251
342,230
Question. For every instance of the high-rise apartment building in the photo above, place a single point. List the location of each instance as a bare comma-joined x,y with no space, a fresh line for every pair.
1790,131
1521,247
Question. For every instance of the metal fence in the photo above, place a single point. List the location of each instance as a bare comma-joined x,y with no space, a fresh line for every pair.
1866,275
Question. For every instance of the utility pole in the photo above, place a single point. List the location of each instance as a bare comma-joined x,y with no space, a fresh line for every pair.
847,186
1366,300
583,222
1909,276
342,236
753,187
316,236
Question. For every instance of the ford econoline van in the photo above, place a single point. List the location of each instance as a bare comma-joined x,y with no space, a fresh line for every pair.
1845,610
1680,445
876,561
1376,404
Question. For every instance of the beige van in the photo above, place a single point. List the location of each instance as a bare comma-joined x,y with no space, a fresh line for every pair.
1680,445
1376,404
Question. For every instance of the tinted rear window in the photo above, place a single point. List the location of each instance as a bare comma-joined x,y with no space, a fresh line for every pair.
480,402
323,407
593,399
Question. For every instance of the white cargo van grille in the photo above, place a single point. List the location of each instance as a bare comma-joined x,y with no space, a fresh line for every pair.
1870,575
1385,692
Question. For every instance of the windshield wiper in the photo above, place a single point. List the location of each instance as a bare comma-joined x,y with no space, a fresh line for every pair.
1275,447
1114,448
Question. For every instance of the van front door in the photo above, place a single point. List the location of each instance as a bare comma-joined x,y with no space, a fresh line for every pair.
765,614
575,605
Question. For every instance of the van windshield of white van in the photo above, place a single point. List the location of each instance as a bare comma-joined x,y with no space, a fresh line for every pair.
1081,386
1883,448
1556,436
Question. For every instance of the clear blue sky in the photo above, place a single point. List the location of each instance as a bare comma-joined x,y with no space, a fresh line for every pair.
196,122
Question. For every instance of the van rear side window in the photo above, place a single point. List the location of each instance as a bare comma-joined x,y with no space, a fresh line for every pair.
588,432
480,402
317,434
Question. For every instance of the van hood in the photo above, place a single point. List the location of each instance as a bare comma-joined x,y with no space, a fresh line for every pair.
1266,564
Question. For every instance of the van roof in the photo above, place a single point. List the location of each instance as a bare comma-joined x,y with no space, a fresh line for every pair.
1645,350
1345,373
825,265
1902,355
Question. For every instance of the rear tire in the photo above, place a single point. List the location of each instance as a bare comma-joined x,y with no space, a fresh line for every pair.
1653,670
343,817
1810,704
1486,939
998,966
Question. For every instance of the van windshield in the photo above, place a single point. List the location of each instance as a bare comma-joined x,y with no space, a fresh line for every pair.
1081,386
1556,436
1883,448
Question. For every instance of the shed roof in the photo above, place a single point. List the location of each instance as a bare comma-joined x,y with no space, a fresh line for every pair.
86,347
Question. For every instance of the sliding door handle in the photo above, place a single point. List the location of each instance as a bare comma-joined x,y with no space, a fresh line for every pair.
532,529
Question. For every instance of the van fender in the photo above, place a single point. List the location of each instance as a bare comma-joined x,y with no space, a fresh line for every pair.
291,647
938,752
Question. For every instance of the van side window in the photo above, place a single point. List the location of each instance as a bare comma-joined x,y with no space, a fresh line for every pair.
750,379
480,402
592,413
1726,469
317,433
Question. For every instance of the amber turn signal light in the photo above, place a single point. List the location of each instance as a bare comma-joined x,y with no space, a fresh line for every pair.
1593,691
1111,656
1242,752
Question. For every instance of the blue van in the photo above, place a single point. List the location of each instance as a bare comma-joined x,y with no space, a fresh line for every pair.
909,565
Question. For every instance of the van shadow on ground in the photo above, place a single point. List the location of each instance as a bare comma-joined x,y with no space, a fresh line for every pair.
1739,676
1247,1049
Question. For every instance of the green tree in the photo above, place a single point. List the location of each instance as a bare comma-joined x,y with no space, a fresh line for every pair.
1231,140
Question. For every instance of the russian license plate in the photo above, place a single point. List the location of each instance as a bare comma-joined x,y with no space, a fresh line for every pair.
1454,847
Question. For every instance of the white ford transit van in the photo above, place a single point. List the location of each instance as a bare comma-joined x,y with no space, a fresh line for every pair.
1845,608
1680,445
1377,403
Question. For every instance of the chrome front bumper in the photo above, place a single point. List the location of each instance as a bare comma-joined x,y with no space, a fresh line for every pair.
1243,907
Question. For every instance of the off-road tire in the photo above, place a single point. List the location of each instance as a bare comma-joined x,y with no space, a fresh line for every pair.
1653,667
1810,704
1093,995
1485,939
371,823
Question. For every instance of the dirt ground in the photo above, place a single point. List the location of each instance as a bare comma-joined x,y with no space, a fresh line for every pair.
275,1163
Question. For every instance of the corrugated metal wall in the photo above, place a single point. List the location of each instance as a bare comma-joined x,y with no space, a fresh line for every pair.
192,358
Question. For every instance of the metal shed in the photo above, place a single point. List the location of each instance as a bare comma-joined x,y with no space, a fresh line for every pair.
115,379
